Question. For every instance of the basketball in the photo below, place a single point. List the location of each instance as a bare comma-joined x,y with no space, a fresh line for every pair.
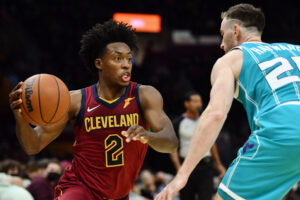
45,99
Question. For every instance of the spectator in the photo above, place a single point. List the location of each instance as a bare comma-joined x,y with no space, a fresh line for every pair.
42,185
10,191
148,184
11,188
11,167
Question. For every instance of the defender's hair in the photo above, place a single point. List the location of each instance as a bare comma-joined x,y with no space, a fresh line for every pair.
94,41
247,14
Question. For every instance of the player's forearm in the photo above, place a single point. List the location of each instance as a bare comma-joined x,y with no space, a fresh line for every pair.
27,137
175,159
164,141
204,137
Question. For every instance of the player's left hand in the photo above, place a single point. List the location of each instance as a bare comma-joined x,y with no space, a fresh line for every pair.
174,186
136,133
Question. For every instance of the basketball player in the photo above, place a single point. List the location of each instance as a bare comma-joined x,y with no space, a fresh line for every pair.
265,78
110,120
200,183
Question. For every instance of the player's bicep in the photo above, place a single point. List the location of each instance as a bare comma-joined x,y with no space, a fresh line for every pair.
152,105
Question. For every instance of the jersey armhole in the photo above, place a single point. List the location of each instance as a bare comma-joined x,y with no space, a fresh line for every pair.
236,89
82,108
136,92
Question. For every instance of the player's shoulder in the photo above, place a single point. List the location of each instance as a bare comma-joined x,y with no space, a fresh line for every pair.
233,60
149,95
232,57
147,90
76,96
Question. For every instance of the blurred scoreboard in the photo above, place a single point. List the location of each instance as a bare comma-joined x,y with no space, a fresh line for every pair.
147,23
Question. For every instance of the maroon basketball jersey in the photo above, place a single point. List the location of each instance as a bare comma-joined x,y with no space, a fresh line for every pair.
103,160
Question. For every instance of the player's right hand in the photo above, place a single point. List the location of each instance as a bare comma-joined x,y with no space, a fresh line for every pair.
15,100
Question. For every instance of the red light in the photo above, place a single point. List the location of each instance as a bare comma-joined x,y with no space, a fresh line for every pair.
141,22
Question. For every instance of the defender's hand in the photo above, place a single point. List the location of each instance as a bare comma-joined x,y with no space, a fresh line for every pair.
174,186
135,133
15,99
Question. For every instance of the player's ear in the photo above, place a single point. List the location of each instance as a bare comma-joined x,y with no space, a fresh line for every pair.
236,31
98,63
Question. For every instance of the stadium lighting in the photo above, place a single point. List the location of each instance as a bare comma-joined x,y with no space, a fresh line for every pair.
147,23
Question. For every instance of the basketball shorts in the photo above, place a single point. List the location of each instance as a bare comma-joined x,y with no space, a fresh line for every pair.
268,165
69,187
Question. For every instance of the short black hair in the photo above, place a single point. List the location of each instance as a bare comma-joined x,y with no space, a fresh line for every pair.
187,96
9,164
94,41
247,14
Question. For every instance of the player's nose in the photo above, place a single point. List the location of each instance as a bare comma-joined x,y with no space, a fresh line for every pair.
125,64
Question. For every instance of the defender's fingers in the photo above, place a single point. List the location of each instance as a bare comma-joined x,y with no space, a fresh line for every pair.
160,196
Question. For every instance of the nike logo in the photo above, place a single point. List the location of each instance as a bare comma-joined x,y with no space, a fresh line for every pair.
91,109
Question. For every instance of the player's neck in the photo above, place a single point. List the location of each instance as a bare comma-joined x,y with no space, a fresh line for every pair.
109,92
253,38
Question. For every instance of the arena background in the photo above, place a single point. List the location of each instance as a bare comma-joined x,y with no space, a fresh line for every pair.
43,37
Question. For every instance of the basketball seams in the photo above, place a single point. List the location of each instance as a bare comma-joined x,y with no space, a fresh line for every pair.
58,100
40,107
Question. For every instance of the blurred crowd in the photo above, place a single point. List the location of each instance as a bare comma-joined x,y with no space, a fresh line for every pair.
33,180
36,180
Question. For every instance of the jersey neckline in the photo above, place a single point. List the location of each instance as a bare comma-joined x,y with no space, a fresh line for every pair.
113,104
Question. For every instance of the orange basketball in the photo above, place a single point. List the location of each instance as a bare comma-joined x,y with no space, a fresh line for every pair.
45,99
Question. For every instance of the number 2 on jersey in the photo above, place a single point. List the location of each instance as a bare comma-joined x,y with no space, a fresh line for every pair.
114,155
283,67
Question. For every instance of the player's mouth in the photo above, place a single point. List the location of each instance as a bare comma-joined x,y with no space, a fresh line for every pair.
126,77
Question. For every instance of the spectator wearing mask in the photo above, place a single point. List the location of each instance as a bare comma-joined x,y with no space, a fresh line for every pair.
42,186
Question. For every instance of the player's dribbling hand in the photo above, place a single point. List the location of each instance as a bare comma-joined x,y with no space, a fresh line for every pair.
174,186
136,133
15,99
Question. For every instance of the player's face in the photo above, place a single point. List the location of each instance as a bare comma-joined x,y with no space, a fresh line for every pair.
116,63
227,32
195,103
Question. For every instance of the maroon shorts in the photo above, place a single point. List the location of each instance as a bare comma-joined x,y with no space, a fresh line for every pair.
71,188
